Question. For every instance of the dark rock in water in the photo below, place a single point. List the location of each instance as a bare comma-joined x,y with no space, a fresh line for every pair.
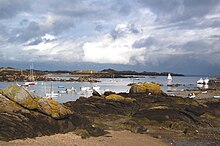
107,93
96,93
130,84
175,85
214,83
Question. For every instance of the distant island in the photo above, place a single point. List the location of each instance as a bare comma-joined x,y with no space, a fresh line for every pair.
11,74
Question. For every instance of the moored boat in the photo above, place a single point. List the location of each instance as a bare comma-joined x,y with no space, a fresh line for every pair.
206,81
60,86
200,81
69,90
62,91
169,79
86,89
52,95
96,88
31,78
29,83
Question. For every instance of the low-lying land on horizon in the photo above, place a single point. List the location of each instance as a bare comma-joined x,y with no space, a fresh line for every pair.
12,74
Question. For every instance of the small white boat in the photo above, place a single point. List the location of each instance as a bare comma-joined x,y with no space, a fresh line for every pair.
200,81
96,88
86,89
69,90
192,95
169,79
62,91
52,95
206,81
31,78
30,83
113,80
216,96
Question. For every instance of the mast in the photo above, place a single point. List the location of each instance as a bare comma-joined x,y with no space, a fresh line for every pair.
169,79
31,72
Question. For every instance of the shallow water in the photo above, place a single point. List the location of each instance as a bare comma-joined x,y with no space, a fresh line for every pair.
116,85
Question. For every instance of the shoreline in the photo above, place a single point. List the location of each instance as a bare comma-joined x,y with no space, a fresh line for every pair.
155,117
116,138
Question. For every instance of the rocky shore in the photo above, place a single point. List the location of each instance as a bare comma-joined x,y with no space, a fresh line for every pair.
15,75
146,109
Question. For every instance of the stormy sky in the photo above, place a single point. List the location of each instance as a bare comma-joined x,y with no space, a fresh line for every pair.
145,35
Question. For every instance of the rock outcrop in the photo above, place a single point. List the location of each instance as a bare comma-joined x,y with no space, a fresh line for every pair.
167,115
146,88
23,114
28,100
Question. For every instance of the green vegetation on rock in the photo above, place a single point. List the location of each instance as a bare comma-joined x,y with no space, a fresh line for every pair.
148,88
116,97
83,133
26,99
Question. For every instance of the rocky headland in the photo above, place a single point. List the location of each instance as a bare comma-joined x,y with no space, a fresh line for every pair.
146,109
16,75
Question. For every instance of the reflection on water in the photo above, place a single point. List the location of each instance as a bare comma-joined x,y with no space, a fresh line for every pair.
116,85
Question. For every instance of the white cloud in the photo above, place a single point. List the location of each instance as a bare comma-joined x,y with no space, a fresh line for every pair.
105,32
106,49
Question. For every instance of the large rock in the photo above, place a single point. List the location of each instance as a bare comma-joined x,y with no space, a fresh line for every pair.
18,119
28,100
148,88
115,97
7,105
53,108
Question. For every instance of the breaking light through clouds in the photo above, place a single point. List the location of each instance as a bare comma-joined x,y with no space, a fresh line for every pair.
158,35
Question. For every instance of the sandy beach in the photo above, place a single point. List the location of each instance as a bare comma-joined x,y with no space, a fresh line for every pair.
114,138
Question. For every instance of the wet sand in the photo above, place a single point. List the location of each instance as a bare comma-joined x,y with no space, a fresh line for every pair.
200,94
114,138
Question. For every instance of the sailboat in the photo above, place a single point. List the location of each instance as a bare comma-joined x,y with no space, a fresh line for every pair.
169,79
52,94
31,77
200,81
206,81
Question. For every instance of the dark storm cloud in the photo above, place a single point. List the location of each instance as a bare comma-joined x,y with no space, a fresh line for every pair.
62,25
215,36
119,31
24,34
10,8
196,46
99,27
163,34
144,42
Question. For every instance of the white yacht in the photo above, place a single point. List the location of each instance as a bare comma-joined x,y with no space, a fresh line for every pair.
96,88
206,81
200,81
86,89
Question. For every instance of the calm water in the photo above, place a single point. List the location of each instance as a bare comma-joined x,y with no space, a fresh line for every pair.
116,85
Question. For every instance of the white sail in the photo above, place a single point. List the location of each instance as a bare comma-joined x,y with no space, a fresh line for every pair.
169,77
200,81
206,81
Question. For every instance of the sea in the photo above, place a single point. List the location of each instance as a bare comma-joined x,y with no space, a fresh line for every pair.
106,84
